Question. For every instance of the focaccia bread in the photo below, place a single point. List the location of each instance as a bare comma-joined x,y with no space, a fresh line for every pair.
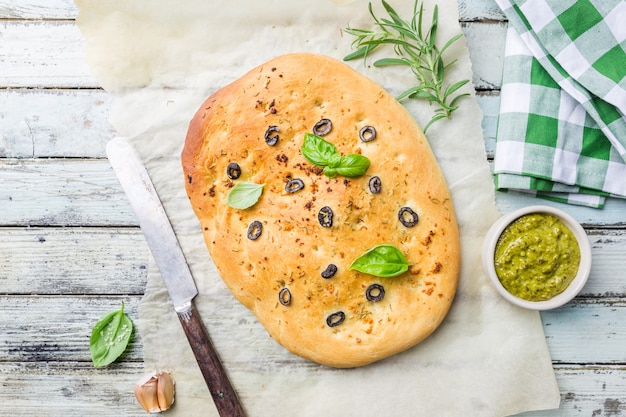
289,256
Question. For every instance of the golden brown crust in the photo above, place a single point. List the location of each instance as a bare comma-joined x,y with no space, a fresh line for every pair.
294,92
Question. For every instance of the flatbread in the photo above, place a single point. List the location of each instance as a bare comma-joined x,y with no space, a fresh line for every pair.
274,256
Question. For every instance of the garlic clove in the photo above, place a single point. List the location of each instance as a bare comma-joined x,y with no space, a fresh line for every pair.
155,391
146,394
165,390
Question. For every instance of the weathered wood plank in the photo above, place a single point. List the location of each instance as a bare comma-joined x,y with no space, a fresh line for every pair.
38,9
612,215
43,54
485,42
48,334
50,54
80,192
38,123
469,10
43,123
57,328
62,192
608,264
489,102
585,391
588,391
475,10
113,261
590,331
52,260
69,389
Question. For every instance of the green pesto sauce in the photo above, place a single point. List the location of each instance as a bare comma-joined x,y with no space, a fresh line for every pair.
537,257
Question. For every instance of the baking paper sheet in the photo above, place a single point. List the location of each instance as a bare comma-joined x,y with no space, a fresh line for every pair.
160,59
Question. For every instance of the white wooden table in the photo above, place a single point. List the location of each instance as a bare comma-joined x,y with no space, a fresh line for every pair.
71,249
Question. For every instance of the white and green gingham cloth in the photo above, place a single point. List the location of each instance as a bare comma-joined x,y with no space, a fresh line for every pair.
562,125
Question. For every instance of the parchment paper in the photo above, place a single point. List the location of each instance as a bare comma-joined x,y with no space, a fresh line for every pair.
161,59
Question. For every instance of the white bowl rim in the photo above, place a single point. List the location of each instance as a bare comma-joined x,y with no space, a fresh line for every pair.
575,286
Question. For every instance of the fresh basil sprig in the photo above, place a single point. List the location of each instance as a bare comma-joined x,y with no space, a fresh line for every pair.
415,47
320,152
110,337
244,194
381,261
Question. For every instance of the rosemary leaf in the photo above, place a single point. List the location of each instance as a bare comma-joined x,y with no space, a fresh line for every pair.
415,46
407,93
359,53
391,61
452,88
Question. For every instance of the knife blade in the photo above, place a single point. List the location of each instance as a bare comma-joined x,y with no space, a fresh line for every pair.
174,269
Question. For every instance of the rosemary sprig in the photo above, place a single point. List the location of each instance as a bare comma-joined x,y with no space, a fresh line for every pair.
415,46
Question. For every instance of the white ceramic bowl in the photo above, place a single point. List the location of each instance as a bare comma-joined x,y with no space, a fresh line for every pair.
575,286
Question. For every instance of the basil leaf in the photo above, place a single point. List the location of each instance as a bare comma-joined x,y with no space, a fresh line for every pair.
353,165
335,160
110,337
244,194
322,153
381,261
330,170
317,150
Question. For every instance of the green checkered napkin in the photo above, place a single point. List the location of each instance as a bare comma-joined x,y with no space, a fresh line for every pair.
562,125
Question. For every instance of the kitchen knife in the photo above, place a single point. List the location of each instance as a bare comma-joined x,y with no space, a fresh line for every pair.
173,266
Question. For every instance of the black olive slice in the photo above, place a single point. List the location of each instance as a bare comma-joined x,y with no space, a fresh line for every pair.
254,230
367,133
325,216
408,217
284,296
294,185
375,185
270,138
375,293
335,319
323,127
330,271
233,170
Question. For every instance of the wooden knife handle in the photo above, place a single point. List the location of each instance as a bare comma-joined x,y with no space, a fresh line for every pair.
224,396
